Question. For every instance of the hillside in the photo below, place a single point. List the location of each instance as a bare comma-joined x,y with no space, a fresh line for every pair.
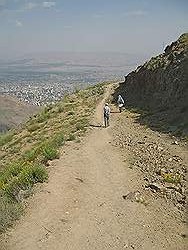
98,194
160,88
26,151
13,112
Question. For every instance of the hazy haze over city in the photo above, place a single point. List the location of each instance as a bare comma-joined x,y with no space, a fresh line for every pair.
130,26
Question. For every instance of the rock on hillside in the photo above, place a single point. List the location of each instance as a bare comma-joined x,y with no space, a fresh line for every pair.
14,112
160,86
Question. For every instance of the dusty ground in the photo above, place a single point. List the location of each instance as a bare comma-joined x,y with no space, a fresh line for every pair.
95,200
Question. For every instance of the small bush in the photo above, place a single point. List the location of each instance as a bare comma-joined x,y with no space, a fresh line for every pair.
45,151
39,173
31,155
16,178
77,90
24,179
58,140
49,152
10,172
171,178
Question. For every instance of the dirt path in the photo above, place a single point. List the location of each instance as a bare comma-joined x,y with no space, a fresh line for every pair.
82,206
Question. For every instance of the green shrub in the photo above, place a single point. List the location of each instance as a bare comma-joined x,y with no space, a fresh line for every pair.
31,155
10,172
17,176
171,178
72,122
13,187
45,151
58,140
25,178
77,90
49,152
39,173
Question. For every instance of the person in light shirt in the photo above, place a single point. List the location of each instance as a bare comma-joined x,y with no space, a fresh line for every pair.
106,112
120,103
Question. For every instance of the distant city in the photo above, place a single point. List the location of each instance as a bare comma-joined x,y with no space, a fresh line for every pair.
48,78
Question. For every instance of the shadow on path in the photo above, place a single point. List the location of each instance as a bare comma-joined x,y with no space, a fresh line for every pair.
96,126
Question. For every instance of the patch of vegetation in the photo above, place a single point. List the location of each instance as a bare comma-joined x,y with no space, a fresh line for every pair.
48,152
21,176
30,155
10,210
171,178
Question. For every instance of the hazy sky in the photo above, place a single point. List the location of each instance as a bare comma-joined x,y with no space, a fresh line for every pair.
132,26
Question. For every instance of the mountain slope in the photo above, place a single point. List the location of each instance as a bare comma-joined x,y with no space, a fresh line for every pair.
25,151
14,112
95,199
160,87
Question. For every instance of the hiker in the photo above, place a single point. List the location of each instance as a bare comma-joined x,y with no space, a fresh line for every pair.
106,112
120,103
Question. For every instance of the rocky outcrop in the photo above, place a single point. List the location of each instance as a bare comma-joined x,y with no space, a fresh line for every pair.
160,86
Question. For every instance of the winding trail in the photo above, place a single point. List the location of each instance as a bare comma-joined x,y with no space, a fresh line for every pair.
81,207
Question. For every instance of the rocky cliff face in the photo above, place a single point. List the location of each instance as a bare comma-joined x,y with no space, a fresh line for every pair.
161,85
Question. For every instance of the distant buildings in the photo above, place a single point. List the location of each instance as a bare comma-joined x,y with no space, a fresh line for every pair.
45,89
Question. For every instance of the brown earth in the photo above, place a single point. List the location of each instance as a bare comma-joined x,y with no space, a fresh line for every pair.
94,199
13,112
